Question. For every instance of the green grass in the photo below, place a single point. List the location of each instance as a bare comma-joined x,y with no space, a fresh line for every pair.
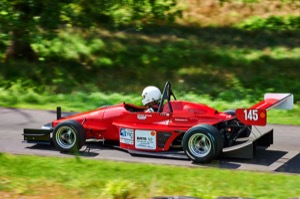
31,98
84,178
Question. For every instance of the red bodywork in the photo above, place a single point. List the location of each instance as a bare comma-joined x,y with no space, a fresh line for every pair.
200,131
134,129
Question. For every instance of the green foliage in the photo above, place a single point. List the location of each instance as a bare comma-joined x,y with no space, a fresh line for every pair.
25,22
30,16
277,23
12,93
222,63
222,67
119,189
73,47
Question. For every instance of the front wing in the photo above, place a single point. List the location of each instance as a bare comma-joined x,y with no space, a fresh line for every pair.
38,136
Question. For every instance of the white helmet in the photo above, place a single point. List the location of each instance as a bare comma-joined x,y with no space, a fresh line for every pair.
150,94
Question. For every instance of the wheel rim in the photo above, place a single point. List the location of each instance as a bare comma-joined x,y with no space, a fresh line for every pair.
199,145
65,137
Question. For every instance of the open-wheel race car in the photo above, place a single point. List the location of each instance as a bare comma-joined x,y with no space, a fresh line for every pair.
201,132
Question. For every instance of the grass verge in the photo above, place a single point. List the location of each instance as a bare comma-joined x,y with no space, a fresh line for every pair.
16,97
53,177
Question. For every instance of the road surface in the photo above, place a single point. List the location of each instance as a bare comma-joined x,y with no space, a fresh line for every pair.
282,156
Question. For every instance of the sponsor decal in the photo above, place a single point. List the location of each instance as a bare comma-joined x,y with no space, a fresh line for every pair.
164,114
126,136
180,119
145,139
153,133
143,116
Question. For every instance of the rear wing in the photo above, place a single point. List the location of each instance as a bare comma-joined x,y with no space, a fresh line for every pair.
257,114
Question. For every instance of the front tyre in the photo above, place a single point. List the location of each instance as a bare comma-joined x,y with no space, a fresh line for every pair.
202,143
68,136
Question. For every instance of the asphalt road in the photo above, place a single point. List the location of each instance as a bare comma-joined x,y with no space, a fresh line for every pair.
282,156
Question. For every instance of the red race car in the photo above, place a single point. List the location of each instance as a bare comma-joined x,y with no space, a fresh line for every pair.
198,130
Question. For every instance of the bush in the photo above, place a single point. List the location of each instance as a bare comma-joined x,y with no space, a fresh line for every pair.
119,189
271,23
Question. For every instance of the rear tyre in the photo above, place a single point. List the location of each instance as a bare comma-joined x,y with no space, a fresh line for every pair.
202,143
69,136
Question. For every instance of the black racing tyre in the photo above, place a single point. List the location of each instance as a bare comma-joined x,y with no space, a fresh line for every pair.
69,136
230,112
202,143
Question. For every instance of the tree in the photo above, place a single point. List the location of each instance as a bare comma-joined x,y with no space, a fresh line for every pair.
25,21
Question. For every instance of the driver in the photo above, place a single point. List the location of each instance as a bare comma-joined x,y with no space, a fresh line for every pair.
151,97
